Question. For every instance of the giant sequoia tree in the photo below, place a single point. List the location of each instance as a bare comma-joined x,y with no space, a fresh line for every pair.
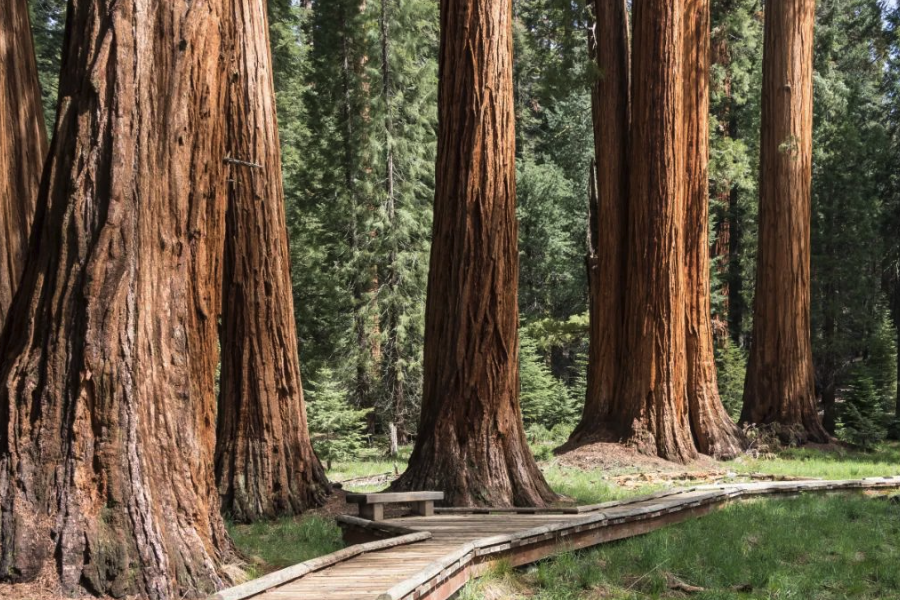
609,219
666,399
107,385
265,465
713,430
471,442
653,377
780,386
23,145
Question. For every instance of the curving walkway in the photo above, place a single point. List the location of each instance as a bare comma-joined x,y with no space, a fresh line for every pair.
415,558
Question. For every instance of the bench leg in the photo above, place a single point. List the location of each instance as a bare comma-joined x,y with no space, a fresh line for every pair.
425,508
372,512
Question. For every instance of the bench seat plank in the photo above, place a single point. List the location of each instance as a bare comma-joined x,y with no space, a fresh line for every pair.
394,497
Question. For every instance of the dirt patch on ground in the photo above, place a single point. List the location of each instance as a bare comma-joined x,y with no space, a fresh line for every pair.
620,459
627,467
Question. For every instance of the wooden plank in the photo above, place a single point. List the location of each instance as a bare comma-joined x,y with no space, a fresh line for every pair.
393,497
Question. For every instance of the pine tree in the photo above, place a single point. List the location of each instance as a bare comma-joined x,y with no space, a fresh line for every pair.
406,108
847,202
862,423
337,428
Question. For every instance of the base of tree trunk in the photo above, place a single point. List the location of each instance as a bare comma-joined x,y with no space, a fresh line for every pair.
501,476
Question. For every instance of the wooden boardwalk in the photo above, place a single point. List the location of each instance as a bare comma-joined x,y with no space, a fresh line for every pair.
432,557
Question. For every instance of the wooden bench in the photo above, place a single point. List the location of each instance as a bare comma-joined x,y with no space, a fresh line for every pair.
371,506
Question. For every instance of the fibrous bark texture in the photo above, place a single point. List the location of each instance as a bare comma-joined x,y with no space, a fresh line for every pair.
780,388
653,375
23,145
606,261
265,464
107,386
471,442
713,430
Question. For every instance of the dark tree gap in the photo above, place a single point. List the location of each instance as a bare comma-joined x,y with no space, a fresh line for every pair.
107,385
471,443
780,386
265,465
607,267
23,146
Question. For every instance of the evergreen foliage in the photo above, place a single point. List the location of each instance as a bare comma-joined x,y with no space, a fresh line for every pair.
546,402
731,363
336,427
862,423
48,23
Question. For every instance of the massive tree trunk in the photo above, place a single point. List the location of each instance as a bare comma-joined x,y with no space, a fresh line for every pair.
265,465
652,381
611,116
107,386
471,442
713,430
780,386
23,145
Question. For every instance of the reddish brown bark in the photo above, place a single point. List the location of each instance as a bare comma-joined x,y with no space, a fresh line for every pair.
107,386
265,465
606,265
23,145
713,430
780,378
653,376
471,442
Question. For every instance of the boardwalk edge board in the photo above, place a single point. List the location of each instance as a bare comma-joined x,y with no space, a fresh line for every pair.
449,573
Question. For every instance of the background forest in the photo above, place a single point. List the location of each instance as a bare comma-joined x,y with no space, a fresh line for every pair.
356,85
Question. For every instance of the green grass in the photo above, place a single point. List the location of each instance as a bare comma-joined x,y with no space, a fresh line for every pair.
841,464
588,487
817,547
271,545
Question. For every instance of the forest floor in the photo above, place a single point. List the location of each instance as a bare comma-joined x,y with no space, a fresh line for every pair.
822,547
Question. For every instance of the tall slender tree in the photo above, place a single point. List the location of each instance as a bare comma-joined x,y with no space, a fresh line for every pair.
107,383
265,465
780,388
606,262
471,442
23,146
713,430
